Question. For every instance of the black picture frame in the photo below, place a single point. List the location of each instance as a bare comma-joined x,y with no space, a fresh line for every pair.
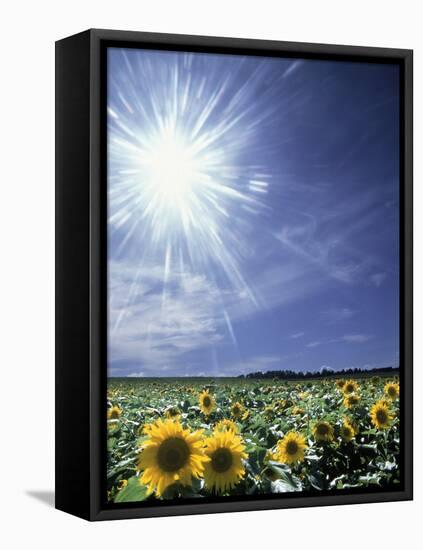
81,284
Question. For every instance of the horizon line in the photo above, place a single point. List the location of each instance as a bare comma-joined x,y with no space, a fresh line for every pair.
264,373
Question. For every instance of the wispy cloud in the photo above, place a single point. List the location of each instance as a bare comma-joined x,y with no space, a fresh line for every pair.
154,325
327,234
313,344
377,279
152,329
321,253
356,338
350,338
296,335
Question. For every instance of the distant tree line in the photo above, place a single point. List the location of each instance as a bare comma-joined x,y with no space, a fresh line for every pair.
323,373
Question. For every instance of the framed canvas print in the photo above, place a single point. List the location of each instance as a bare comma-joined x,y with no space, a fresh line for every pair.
233,274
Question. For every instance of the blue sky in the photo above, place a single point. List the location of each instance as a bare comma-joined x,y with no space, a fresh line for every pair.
269,240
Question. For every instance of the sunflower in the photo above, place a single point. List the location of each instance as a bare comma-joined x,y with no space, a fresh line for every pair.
351,400
237,409
281,404
270,455
347,430
303,394
207,402
291,448
121,484
225,469
170,454
380,415
113,426
340,384
392,390
226,425
113,413
172,412
323,431
269,411
297,411
350,386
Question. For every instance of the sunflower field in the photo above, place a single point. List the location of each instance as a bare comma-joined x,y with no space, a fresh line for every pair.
193,438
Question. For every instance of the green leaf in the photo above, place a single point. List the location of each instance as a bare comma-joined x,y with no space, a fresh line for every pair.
111,443
282,486
133,492
369,479
286,482
367,449
317,481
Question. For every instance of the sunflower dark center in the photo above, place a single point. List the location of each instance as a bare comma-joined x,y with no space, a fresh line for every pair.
206,401
392,391
292,447
381,416
322,429
173,454
221,460
349,388
236,409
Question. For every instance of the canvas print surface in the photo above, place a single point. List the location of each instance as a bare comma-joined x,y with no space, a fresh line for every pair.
253,276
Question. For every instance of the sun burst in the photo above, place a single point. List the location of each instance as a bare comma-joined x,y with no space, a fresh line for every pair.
179,183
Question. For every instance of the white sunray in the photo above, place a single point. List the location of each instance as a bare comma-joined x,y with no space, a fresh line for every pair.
177,186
